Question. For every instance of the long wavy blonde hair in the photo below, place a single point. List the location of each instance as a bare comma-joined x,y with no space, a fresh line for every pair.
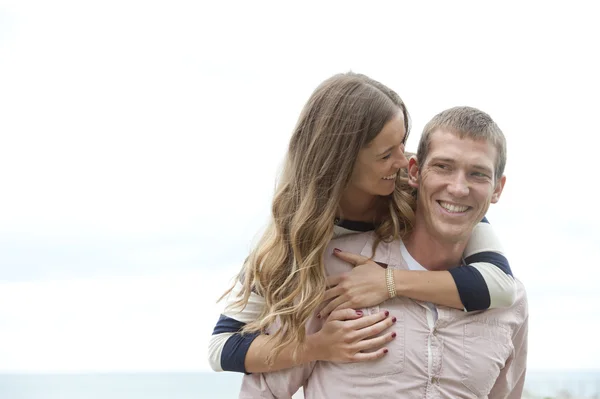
286,268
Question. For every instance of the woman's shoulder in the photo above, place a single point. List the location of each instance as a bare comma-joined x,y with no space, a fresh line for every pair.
352,239
344,227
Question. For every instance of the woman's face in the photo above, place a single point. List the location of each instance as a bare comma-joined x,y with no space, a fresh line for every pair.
377,164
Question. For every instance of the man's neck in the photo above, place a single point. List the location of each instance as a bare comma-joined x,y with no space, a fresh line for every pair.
433,253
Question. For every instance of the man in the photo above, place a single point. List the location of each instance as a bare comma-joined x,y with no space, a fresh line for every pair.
437,352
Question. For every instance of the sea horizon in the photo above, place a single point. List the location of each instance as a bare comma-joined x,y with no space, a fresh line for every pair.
545,383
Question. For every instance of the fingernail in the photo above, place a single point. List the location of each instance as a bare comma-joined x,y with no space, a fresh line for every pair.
393,319
337,250
385,351
359,312
393,335
318,315
387,313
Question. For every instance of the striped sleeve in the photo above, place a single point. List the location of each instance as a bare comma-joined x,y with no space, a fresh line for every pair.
227,347
486,280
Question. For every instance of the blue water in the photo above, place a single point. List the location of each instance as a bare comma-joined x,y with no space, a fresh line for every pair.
580,384
120,386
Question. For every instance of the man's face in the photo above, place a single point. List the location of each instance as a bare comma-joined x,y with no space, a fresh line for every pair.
455,185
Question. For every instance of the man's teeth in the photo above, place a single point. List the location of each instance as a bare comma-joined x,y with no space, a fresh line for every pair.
453,208
390,177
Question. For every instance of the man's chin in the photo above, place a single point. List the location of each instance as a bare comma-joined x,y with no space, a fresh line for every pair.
454,234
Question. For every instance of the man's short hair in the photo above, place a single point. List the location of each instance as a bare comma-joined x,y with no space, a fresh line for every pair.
466,122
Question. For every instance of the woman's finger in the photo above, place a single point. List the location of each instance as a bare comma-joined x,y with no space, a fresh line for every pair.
334,280
365,357
332,293
350,257
330,307
367,321
377,342
345,314
377,328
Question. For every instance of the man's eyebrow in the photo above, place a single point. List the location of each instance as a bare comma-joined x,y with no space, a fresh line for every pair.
442,159
450,160
482,168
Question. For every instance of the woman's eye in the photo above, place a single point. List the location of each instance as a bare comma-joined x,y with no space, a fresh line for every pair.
387,156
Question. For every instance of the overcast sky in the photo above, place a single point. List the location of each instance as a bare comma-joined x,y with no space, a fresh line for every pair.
140,143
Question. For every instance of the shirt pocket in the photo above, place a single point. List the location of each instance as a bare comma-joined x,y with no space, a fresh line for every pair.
393,361
486,349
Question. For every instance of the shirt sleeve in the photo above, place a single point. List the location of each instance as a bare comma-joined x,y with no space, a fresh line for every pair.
281,384
511,381
485,281
228,346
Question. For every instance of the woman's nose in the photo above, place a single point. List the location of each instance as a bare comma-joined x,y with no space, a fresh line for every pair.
401,161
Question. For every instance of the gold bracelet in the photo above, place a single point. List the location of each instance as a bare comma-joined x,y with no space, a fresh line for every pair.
389,280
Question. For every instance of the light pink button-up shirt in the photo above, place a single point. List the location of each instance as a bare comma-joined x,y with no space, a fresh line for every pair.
458,355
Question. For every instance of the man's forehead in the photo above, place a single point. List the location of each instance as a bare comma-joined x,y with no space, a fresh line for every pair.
451,147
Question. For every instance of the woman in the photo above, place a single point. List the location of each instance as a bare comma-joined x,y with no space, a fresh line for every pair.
343,174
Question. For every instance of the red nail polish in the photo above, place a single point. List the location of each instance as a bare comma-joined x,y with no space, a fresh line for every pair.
385,351
337,250
393,335
387,313
393,319
359,312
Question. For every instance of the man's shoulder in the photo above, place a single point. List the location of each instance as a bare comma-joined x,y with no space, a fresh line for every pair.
511,317
521,304
515,315
520,288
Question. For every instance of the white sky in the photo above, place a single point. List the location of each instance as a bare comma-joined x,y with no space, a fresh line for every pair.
140,142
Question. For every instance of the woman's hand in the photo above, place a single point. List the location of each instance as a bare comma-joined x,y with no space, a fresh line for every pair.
348,336
364,286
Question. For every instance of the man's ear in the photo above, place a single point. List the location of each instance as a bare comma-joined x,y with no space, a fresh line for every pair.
498,189
413,172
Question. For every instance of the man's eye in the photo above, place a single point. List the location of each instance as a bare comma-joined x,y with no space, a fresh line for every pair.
440,166
480,174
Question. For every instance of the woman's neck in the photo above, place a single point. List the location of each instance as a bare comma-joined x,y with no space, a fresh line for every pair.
360,208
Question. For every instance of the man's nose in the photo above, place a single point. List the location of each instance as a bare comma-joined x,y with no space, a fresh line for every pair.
458,186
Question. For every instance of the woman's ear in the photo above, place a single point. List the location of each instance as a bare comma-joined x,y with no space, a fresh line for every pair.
413,172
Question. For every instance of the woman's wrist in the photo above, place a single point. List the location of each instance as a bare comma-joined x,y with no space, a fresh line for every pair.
309,351
399,281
